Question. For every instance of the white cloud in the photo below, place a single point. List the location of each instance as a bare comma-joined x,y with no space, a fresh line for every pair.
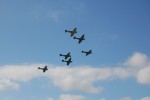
19,72
5,84
79,78
143,76
137,60
126,98
146,98
11,75
71,97
139,65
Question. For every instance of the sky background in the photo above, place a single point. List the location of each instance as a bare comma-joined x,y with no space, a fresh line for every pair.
32,34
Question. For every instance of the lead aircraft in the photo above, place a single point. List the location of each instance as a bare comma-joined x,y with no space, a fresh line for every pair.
73,32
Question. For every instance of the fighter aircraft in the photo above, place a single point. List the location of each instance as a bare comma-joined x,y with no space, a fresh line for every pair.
44,69
87,52
80,39
66,56
72,33
68,61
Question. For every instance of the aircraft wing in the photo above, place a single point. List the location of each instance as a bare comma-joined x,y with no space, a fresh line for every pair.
72,33
69,61
68,54
87,54
44,70
80,41
75,30
82,37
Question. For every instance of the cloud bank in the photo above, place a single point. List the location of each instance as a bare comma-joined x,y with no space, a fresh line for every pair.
79,78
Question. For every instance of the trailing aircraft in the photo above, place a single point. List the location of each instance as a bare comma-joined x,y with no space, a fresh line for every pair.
44,69
68,61
80,39
66,56
72,33
87,52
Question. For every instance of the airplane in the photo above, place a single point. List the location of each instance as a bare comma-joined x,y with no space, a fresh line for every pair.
87,52
68,61
66,56
44,69
80,39
72,33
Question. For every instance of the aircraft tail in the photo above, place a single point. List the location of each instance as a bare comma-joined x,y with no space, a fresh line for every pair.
62,60
65,31
82,51
60,54
39,68
74,37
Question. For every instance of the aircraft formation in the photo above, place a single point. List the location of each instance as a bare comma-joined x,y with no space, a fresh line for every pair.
67,57
80,39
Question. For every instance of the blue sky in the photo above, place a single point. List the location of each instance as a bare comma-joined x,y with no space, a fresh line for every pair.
32,34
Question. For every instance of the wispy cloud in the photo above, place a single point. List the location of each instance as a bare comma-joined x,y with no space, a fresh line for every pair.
72,9
80,7
56,15
67,10
77,78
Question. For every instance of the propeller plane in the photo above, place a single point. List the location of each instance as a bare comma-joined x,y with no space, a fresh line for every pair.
73,32
44,69
87,52
80,39
67,61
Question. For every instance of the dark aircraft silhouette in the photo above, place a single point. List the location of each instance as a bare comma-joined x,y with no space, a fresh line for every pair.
44,69
68,61
80,39
66,56
72,33
87,52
